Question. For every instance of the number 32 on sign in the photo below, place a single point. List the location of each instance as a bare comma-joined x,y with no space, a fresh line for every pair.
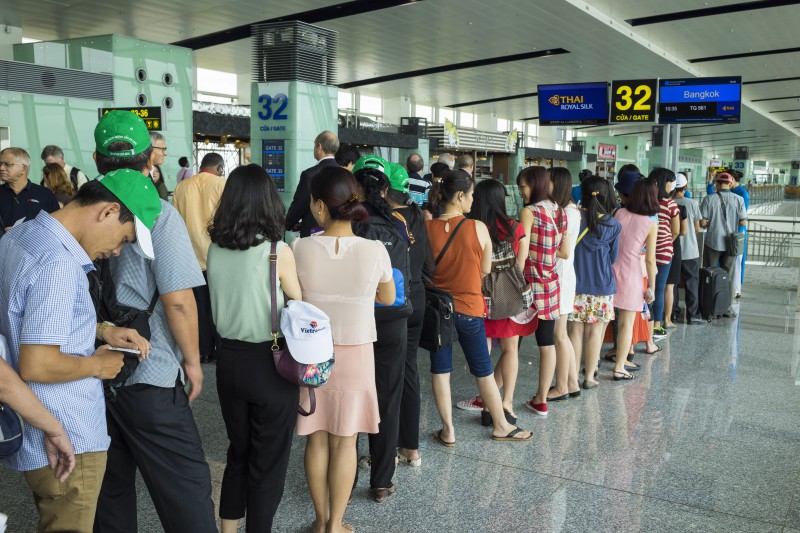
633,101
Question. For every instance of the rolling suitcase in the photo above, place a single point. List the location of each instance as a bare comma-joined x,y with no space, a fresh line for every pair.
715,292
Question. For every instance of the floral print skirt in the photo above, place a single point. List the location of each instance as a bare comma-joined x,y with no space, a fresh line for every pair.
592,309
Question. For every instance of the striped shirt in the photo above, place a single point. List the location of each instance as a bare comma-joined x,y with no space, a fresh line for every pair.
668,210
136,278
44,295
418,188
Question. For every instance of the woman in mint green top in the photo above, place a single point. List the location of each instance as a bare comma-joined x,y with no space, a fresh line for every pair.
258,406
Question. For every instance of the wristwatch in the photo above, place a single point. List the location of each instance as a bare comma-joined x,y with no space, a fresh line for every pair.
101,329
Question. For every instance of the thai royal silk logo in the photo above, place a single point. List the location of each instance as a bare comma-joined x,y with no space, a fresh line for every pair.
555,100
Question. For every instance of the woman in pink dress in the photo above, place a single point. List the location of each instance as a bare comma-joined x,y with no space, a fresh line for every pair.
546,223
638,230
343,275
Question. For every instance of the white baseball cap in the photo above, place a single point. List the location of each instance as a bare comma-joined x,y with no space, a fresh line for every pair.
307,330
680,180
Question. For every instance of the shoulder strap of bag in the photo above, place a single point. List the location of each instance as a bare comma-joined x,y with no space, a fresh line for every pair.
273,286
153,303
724,209
586,230
447,244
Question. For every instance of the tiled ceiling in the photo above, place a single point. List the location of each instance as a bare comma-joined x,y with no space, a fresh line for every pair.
432,33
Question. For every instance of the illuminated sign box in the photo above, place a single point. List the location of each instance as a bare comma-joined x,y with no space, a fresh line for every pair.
700,100
573,104
633,100
606,152
273,160
151,115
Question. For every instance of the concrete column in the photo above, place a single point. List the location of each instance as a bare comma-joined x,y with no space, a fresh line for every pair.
394,108
676,147
665,160
9,36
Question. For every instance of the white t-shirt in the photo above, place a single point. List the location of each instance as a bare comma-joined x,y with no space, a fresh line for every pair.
565,268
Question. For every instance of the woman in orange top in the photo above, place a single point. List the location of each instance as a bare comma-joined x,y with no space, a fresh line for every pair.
459,271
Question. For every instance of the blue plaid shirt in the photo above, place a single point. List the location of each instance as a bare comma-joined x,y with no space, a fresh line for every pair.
44,295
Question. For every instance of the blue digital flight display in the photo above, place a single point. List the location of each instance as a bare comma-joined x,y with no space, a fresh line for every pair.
573,104
273,159
700,100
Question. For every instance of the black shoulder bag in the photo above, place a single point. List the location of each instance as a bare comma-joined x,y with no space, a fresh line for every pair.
439,324
734,242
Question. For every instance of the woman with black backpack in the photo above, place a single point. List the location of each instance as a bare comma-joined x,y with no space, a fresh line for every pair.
391,321
422,268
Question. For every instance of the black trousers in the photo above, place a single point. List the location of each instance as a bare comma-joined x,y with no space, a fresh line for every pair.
152,429
390,356
209,338
410,401
259,408
690,272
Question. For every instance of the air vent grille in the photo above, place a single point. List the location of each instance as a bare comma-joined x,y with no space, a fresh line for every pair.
39,79
294,51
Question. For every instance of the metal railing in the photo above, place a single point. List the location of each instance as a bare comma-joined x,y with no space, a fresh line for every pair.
772,247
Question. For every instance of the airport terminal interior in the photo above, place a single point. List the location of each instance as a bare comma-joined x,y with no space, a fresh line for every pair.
706,438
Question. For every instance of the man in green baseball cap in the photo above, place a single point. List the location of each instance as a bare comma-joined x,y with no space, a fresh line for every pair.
371,161
140,196
121,127
398,177
122,141
43,265
151,426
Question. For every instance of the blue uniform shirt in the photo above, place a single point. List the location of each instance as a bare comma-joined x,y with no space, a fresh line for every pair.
27,204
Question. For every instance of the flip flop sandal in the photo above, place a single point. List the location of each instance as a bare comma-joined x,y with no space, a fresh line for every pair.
512,436
437,435
658,349
621,376
409,462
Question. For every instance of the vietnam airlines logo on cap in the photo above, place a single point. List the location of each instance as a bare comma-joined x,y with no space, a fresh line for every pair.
313,325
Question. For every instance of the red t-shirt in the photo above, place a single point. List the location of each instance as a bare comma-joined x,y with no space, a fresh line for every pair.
668,210
519,232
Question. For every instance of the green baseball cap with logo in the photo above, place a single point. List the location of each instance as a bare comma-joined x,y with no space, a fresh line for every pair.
124,126
136,192
372,161
398,177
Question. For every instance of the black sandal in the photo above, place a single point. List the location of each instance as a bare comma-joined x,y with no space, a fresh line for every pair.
622,376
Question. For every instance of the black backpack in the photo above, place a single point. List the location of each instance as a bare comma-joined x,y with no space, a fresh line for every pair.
73,177
379,228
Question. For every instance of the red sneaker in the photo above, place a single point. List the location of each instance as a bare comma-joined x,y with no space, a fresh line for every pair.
475,404
538,408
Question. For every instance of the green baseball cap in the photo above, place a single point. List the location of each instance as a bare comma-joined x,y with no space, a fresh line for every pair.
398,177
136,192
124,126
372,161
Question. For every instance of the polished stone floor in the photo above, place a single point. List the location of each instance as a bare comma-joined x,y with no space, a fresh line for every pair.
706,439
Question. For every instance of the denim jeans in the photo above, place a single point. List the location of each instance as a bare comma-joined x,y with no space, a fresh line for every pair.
472,338
661,283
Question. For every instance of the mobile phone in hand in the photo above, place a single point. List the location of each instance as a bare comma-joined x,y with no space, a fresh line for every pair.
133,351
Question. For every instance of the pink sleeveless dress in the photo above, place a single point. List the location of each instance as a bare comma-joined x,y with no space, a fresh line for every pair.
628,267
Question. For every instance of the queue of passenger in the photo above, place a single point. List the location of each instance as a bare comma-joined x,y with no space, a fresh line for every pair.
211,279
